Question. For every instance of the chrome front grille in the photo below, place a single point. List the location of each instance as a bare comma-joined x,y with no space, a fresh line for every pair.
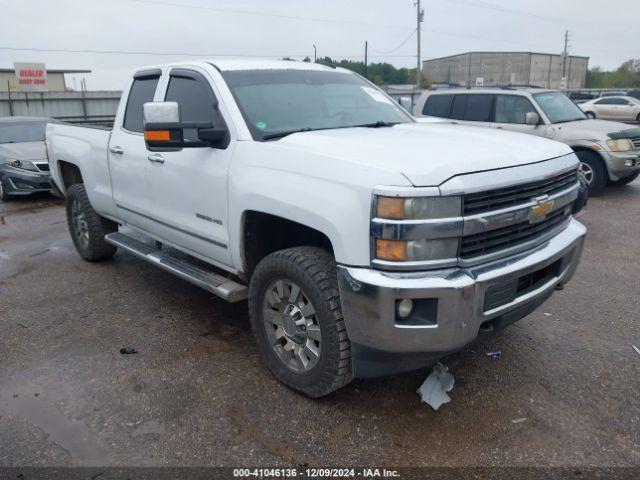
498,199
512,236
636,143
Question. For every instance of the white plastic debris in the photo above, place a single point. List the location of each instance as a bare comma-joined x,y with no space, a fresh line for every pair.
434,389
519,420
636,349
548,314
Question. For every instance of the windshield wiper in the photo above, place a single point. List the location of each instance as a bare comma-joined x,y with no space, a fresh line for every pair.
271,136
377,124
570,120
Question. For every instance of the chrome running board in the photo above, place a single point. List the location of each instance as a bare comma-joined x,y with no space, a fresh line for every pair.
187,270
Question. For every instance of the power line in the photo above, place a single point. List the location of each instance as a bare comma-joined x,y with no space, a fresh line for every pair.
498,8
404,42
267,14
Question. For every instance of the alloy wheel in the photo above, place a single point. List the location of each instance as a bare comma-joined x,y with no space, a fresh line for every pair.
587,171
80,225
292,325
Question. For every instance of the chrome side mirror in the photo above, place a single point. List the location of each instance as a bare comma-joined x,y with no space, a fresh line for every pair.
532,118
160,112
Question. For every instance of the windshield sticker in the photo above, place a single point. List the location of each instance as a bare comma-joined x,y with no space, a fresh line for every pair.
376,95
261,125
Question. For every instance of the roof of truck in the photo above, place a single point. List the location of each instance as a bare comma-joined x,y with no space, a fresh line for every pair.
231,63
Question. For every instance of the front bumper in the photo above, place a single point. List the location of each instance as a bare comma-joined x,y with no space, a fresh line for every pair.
458,297
17,181
622,164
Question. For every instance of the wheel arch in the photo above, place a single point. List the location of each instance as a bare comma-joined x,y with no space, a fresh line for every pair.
265,233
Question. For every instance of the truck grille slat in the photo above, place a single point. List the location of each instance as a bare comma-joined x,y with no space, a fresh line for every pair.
636,143
491,200
503,238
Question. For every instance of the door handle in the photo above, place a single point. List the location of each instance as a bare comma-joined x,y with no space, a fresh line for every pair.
116,150
156,158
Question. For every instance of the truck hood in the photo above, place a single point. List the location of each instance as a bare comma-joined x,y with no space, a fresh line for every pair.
23,151
597,130
428,154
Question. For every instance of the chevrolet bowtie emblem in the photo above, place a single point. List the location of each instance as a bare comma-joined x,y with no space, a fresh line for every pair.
539,211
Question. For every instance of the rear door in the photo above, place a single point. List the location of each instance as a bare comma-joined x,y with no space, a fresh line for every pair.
475,109
188,188
128,162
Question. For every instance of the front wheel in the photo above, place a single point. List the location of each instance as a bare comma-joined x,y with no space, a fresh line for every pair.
594,171
296,318
86,227
590,115
4,196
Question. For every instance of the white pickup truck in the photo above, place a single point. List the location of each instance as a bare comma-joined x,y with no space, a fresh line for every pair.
366,243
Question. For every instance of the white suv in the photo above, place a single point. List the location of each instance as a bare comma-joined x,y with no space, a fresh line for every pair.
609,152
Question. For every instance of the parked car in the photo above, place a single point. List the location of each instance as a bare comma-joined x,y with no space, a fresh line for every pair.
609,152
620,108
366,243
24,168
634,93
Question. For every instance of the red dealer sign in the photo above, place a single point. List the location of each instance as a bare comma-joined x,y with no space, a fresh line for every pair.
31,77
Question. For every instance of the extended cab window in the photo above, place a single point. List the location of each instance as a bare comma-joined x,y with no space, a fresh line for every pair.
142,91
438,106
478,108
196,100
512,109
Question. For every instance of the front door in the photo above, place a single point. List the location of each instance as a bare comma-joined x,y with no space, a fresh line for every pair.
511,113
188,188
128,162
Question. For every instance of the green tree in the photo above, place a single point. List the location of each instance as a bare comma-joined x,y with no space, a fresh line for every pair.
626,75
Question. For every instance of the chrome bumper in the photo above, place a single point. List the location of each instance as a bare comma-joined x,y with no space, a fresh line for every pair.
369,297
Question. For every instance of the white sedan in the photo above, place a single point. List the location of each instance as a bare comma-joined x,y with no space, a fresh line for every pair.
620,108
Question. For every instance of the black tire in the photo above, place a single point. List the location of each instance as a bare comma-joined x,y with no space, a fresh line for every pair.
86,227
314,271
626,180
4,196
590,115
594,170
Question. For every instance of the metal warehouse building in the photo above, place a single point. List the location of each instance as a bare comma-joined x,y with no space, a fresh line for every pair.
515,68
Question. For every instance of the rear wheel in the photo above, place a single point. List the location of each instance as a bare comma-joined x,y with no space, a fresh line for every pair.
294,305
590,115
626,180
594,171
87,228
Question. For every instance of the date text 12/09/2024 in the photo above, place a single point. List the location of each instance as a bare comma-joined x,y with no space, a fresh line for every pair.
315,473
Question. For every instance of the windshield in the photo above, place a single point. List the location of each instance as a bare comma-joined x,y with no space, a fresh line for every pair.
279,101
558,107
22,132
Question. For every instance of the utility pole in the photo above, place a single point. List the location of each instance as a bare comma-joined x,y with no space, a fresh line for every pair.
315,53
366,53
420,18
564,57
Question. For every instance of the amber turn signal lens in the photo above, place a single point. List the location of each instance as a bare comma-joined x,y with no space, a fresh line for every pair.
157,135
391,250
390,207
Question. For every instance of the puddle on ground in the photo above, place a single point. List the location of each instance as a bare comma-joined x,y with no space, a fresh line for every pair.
71,435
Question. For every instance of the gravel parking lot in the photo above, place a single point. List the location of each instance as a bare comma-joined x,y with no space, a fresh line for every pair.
197,393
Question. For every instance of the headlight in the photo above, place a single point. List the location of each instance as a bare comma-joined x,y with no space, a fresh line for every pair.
23,164
418,208
620,145
416,250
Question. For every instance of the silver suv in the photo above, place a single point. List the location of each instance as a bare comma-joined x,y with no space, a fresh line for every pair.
609,152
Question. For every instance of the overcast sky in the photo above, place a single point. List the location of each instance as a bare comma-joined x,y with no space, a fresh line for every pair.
605,31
